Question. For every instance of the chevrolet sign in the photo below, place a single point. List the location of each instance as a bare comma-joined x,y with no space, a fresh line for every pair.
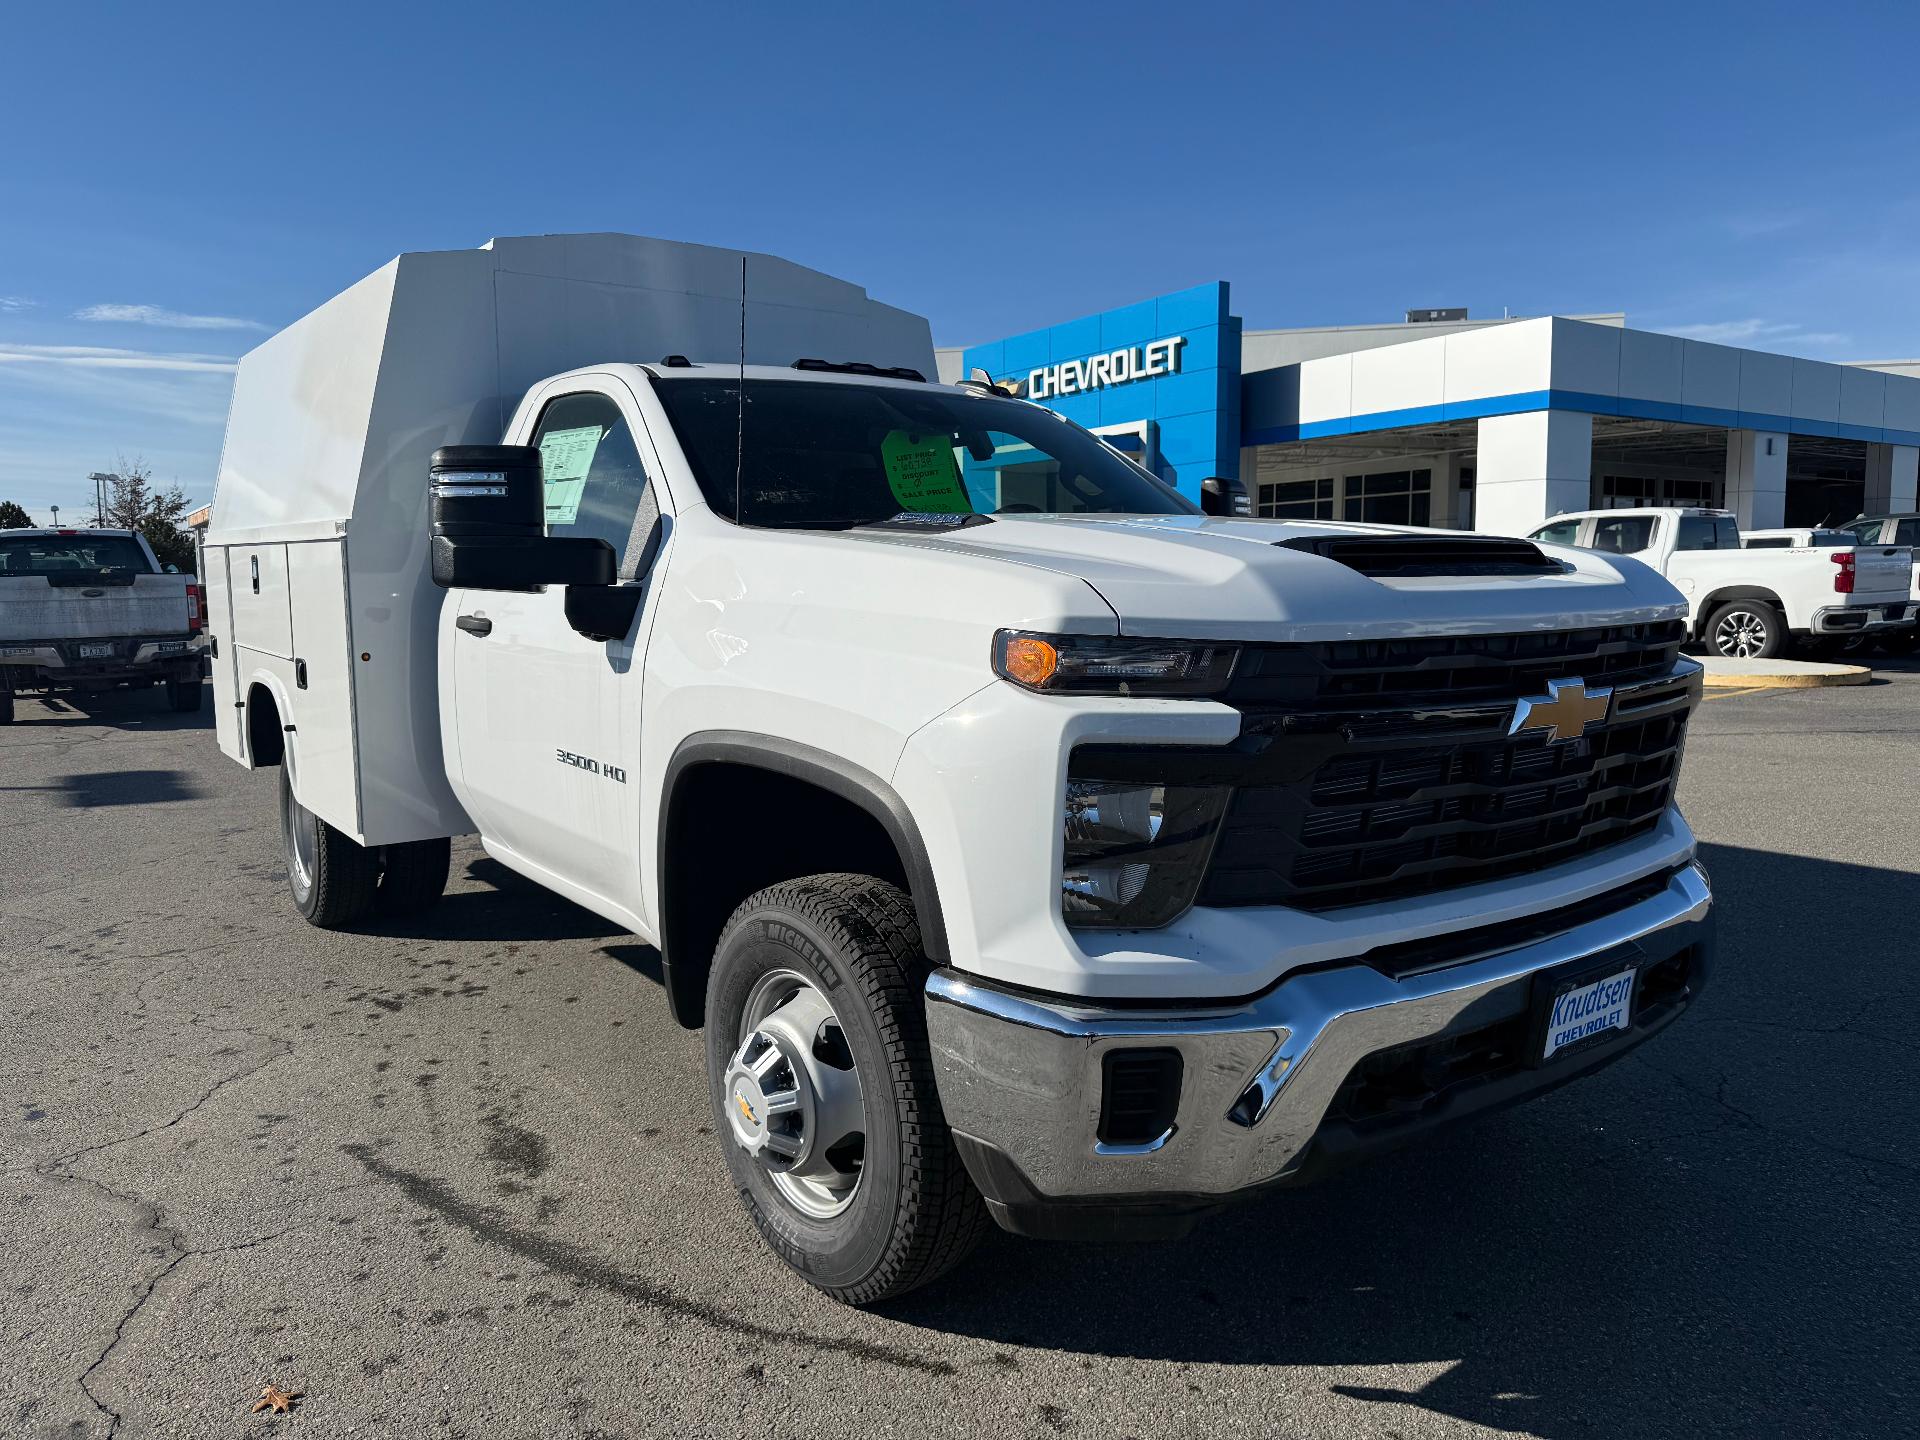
1138,362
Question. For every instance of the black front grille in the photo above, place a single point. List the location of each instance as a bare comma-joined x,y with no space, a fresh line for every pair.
1450,669
1343,804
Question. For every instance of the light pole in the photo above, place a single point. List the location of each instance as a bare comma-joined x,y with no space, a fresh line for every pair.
56,517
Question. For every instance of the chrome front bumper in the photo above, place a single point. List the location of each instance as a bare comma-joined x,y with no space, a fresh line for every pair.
1020,1076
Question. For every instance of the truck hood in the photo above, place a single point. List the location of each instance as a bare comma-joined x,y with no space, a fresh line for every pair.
1202,577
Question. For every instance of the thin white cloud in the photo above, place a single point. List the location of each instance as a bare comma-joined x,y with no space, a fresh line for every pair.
163,318
1756,332
100,357
14,304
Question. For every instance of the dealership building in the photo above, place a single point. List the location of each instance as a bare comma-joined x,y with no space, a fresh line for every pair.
1495,425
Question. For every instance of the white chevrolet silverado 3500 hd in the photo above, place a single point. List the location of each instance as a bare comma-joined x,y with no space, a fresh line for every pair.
1018,833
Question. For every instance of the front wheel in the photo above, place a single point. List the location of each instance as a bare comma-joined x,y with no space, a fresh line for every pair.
823,1089
1746,630
333,879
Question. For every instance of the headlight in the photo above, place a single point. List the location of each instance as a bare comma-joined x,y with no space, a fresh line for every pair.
1135,851
1111,665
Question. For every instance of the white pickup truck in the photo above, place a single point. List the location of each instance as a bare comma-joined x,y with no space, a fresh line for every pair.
1894,529
93,610
1029,843
1748,604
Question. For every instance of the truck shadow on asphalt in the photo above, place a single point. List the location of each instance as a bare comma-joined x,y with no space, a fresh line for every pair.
97,788
119,709
1697,1240
508,907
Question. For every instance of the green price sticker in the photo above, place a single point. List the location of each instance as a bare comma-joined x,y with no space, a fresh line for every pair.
923,473
565,458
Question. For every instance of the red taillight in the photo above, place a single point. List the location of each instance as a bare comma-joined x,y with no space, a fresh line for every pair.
1843,577
196,609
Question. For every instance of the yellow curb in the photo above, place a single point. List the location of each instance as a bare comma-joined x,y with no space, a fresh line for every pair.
1840,675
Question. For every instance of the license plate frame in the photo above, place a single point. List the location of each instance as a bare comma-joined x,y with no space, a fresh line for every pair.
1549,986
101,651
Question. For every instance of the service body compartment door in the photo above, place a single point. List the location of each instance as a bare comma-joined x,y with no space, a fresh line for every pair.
325,775
226,692
262,608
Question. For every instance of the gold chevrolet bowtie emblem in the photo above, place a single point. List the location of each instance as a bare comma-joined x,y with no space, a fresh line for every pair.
1565,711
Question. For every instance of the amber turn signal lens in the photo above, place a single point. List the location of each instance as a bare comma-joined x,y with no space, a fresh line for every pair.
1028,660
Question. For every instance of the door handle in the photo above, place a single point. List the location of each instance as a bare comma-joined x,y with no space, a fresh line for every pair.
475,624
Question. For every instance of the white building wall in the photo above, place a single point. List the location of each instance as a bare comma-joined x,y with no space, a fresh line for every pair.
1892,473
1530,468
1757,478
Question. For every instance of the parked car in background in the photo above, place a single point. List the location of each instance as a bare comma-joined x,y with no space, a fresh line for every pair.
1796,539
1749,604
1896,529
94,610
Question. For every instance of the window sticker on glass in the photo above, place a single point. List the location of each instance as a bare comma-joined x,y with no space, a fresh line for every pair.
565,458
923,474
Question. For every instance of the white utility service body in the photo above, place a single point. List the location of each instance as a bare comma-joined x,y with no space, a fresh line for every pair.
93,610
1747,602
904,702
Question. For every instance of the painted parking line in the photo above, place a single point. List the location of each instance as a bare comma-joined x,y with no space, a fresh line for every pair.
1734,694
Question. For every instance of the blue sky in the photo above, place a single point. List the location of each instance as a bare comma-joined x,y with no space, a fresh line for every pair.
178,181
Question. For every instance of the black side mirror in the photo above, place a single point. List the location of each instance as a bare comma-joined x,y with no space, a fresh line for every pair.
488,522
1215,496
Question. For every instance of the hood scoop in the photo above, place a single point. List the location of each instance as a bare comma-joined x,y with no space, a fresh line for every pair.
1396,557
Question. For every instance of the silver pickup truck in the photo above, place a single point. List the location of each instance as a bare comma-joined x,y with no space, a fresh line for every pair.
93,610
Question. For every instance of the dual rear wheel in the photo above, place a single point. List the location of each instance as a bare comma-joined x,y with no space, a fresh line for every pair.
337,882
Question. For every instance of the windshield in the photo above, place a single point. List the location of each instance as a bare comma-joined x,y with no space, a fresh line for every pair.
825,456
65,554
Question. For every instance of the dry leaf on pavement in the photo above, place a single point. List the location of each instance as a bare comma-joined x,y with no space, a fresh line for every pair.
274,1399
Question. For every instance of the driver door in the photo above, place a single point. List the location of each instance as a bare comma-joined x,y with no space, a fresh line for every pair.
546,719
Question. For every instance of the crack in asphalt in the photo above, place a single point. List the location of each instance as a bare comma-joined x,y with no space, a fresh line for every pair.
1755,1122
60,1171
586,1269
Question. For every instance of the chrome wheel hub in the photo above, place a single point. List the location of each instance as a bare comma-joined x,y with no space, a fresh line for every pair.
1740,635
792,1095
296,832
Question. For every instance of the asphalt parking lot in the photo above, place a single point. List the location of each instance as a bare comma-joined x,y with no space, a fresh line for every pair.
456,1178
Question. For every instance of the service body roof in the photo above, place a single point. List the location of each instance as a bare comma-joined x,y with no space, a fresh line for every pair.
333,419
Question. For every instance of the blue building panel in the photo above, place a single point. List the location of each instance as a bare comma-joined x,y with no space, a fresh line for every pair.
1130,325
1192,309
1188,393
1202,350
1076,339
1027,352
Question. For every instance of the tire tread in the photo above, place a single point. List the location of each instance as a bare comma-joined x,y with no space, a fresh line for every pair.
943,1216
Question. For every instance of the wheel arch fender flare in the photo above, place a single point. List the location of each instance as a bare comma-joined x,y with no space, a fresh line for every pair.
832,773
1738,592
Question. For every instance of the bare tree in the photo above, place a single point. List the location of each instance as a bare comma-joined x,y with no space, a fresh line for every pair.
135,503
